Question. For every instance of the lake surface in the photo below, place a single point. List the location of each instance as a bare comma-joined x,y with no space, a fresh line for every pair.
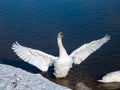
35,24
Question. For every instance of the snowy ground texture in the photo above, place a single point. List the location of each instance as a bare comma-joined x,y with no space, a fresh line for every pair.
12,78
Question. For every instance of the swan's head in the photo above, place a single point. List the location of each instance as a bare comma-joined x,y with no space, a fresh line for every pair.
60,35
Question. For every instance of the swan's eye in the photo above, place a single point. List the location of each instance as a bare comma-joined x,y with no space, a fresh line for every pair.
61,35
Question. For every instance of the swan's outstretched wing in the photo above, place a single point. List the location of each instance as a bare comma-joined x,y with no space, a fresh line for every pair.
35,57
85,50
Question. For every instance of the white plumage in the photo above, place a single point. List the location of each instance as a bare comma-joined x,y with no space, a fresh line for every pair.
111,77
63,63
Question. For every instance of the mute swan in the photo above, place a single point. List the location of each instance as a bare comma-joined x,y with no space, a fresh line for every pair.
111,77
63,63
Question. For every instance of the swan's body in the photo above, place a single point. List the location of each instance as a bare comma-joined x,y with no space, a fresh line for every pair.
111,77
63,63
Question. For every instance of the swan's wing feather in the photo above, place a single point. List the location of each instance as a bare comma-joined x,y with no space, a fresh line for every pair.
85,50
35,57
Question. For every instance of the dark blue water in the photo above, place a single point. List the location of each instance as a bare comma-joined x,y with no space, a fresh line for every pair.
35,23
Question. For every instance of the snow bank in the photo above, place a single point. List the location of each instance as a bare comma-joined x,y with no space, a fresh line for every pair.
12,78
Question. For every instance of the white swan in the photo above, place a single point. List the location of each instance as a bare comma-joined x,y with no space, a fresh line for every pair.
63,63
111,77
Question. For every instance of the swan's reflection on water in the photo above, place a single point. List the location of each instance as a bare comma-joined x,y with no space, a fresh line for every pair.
82,86
73,85
114,85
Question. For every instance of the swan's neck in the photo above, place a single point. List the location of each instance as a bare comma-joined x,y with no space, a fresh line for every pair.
62,51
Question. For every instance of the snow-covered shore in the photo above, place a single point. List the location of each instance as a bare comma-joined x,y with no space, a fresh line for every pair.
12,78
